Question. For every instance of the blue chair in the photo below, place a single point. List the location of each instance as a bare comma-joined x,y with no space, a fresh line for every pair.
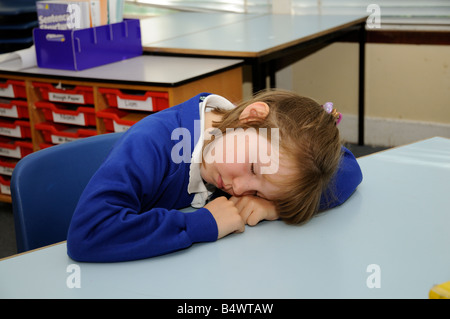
46,186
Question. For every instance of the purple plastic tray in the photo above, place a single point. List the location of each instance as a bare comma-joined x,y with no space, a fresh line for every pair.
86,48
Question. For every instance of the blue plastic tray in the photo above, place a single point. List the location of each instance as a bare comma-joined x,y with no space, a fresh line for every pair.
86,48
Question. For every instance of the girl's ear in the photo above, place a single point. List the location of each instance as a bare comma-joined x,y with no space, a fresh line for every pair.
257,110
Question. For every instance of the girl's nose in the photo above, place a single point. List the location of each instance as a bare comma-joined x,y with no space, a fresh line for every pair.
241,187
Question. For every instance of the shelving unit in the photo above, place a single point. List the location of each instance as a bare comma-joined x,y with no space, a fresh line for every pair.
15,130
40,107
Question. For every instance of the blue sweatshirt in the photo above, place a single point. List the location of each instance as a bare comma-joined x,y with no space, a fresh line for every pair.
130,208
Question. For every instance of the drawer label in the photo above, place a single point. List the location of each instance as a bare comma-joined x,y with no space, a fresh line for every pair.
67,98
5,170
16,153
146,105
12,112
62,139
7,91
120,127
5,189
69,119
14,132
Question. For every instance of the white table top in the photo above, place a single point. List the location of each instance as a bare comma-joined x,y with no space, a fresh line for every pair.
145,69
250,37
168,26
397,219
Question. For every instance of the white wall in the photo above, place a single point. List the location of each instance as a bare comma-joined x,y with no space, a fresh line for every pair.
407,89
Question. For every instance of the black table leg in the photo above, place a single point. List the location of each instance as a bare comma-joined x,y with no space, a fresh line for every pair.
361,90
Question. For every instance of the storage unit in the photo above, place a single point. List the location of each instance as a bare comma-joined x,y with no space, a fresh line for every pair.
63,112
15,129
40,108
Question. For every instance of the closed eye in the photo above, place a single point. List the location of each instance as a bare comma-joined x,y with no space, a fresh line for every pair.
258,194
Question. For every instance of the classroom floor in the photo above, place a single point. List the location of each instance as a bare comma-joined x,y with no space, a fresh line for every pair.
7,233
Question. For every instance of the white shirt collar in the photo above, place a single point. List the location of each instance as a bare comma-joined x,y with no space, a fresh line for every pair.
196,184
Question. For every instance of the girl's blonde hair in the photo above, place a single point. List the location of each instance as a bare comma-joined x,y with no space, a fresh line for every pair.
308,138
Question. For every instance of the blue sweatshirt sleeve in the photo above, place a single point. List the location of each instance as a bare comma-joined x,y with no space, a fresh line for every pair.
344,182
115,219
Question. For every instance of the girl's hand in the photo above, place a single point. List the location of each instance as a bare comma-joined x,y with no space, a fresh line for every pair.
226,215
253,209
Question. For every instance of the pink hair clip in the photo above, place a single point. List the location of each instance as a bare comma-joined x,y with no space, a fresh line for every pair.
328,107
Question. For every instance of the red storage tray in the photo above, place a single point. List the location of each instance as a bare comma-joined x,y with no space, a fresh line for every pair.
59,133
13,89
5,183
7,165
117,120
15,148
14,108
18,128
77,94
45,145
82,115
150,101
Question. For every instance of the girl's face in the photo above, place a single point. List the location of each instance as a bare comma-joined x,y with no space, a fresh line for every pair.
236,161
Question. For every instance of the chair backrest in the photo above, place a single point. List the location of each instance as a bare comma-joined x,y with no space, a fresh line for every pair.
46,186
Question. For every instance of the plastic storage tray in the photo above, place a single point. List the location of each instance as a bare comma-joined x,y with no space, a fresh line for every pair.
17,128
5,185
7,165
86,48
15,148
14,108
150,101
74,95
117,120
82,115
13,89
59,133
